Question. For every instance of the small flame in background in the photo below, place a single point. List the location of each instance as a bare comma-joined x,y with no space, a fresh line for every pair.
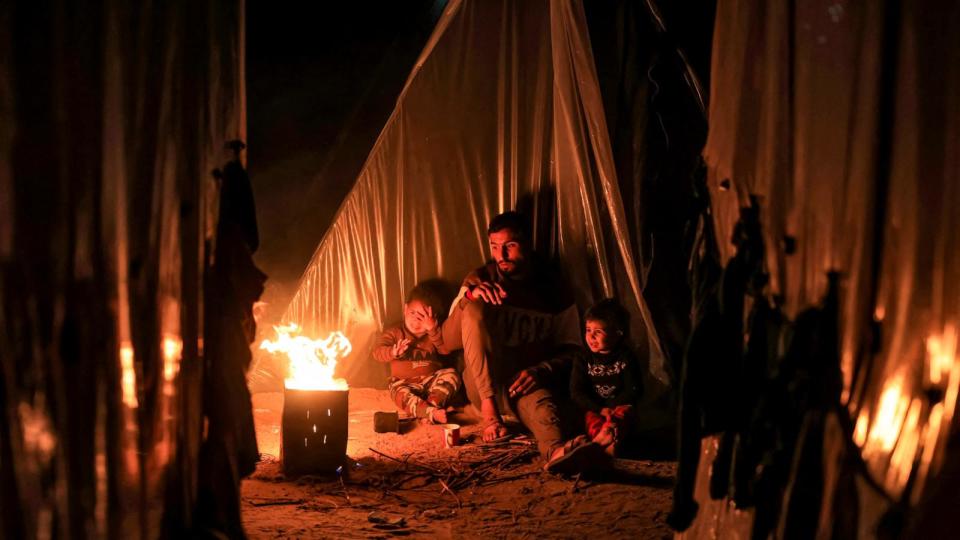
311,361
912,417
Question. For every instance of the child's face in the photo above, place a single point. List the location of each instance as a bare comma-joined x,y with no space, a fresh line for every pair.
600,338
413,317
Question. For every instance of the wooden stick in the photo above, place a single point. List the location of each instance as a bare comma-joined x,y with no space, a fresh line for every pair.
447,488
405,461
345,493
275,502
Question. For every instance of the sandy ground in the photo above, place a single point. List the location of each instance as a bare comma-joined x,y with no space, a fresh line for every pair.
382,498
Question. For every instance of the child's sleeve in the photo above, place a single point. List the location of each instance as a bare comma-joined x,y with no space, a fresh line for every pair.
436,339
581,388
383,349
632,384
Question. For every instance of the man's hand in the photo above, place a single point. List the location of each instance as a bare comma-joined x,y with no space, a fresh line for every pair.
400,347
491,293
525,383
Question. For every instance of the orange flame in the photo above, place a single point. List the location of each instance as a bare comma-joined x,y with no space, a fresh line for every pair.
311,361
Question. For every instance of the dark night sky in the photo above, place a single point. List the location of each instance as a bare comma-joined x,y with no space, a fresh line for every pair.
322,79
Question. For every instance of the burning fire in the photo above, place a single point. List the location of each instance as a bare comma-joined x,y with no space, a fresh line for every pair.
311,361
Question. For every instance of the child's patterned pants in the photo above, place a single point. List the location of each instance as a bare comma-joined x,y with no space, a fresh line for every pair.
420,396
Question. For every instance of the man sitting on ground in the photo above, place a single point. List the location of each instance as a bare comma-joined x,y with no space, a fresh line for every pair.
518,327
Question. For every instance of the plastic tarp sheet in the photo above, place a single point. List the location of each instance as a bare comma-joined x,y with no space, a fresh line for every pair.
844,119
112,116
502,111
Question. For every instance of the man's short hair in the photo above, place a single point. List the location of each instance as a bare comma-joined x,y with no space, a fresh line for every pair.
510,220
610,312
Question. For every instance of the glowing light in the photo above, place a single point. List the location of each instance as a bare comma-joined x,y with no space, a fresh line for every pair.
953,387
128,376
311,361
172,352
901,461
38,437
930,437
889,419
861,429
941,354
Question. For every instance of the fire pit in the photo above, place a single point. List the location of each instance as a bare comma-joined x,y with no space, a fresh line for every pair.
314,430
315,403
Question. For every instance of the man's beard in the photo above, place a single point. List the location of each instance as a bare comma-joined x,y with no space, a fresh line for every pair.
512,268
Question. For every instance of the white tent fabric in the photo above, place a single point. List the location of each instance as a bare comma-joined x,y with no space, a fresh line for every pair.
842,119
501,111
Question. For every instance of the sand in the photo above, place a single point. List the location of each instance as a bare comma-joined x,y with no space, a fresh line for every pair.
522,502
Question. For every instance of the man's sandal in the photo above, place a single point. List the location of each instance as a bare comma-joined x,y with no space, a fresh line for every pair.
577,455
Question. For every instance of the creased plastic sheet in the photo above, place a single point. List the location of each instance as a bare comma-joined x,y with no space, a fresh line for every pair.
112,116
843,119
502,111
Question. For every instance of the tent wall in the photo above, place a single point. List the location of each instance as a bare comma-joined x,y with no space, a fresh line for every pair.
844,119
112,115
501,111
653,72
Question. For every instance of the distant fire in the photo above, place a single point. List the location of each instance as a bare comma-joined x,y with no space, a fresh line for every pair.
311,361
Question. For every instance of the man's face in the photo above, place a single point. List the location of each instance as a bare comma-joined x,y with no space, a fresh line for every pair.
507,250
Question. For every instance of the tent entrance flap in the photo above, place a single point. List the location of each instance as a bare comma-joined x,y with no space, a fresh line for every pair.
503,111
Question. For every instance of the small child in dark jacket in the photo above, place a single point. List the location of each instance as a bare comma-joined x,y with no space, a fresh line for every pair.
420,383
605,383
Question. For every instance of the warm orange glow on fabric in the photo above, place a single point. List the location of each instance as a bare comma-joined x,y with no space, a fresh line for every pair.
128,376
311,361
861,429
889,419
172,353
941,354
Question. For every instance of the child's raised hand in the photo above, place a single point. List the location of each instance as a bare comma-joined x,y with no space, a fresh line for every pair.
400,347
428,319
425,318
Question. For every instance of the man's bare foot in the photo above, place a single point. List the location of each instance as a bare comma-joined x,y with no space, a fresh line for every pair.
494,429
438,415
